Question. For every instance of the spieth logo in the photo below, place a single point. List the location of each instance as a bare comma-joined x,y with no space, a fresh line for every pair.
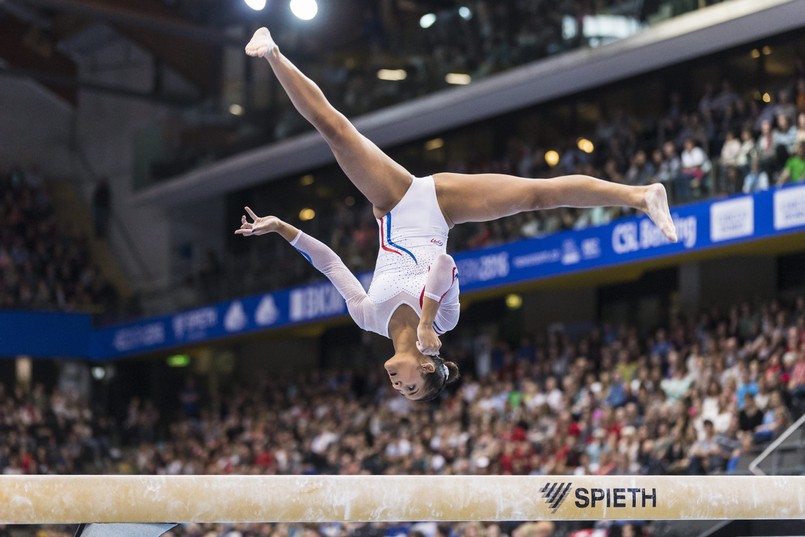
555,493
437,242
625,497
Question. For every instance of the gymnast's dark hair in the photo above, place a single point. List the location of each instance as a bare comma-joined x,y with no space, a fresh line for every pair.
435,382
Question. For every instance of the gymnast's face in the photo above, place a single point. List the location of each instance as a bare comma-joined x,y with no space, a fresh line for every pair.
406,373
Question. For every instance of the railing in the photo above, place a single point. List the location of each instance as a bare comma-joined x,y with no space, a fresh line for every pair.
784,456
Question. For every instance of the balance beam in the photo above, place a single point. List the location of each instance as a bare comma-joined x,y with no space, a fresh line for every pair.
235,498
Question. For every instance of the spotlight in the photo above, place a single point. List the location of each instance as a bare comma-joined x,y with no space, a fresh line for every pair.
307,214
394,75
434,144
427,20
304,9
459,79
465,13
257,5
585,145
236,109
514,301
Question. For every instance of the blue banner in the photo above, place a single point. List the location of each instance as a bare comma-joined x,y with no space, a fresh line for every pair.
48,335
700,226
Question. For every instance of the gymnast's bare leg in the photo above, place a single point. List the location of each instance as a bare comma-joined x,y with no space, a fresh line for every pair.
482,197
379,178
462,198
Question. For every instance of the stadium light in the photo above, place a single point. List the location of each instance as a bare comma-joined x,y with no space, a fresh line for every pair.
465,13
304,9
393,75
585,145
514,301
459,79
427,20
434,144
257,5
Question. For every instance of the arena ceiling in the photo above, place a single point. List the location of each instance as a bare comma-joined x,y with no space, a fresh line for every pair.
41,39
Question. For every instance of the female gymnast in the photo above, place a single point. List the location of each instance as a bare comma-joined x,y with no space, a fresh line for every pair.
413,297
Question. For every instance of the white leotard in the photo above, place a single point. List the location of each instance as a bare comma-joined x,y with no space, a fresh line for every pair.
412,238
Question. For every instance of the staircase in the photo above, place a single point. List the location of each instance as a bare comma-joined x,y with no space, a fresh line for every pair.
784,456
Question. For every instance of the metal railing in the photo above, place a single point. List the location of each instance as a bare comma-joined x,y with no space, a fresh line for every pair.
784,456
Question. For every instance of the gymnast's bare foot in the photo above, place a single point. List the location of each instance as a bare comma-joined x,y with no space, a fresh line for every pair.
261,44
656,208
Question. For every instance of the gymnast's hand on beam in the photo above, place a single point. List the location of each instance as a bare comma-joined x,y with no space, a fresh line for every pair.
427,340
260,226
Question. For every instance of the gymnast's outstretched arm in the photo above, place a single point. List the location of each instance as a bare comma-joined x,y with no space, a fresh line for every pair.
318,254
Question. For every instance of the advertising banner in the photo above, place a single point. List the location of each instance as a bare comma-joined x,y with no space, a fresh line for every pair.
699,226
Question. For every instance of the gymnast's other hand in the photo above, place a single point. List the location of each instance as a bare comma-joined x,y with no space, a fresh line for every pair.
427,340
260,226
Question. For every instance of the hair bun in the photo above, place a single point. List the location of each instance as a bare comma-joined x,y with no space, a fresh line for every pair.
453,371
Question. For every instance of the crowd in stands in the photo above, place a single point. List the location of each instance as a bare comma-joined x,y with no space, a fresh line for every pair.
720,144
43,265
478,38
696,396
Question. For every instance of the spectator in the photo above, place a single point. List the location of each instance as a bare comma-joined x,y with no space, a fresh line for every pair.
794,170
775,420
766,147
756,179
785,138
706,456
749,417
800,128
695,166
796,383
729,158
670,174
641,170
748,150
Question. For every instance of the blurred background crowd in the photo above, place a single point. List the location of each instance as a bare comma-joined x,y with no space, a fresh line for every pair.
699,396
693,394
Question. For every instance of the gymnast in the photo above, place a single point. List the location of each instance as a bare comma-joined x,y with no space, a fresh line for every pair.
413,297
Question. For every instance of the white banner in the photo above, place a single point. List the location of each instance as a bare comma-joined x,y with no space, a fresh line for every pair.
789,208
732,219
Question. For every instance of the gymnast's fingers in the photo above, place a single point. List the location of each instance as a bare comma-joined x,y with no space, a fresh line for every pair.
251,213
